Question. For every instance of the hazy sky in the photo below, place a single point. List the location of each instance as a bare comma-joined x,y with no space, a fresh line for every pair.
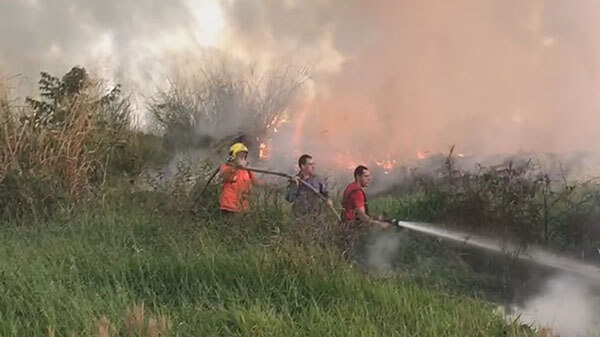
388,76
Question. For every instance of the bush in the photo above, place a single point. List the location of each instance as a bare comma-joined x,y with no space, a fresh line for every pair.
223,102
519,203
62,147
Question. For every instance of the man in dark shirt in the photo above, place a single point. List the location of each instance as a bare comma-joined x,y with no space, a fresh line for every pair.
306,202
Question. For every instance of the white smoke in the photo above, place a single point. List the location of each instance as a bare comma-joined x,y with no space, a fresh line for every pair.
381,250
390,76
566,305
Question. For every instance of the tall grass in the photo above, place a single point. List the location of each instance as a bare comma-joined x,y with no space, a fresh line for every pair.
59,151
89,277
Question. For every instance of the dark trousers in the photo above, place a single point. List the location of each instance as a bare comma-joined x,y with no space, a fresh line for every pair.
227,213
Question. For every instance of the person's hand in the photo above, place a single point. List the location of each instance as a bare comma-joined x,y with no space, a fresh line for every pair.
381,224
295,180
329,203
381,217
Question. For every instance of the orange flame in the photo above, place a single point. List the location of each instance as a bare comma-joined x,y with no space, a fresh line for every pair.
387,164
276,123
262,151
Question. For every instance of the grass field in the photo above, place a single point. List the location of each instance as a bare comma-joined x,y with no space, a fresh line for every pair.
125,270
81,255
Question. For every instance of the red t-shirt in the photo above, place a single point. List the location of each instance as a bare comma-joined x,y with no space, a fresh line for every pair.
234,196
352,199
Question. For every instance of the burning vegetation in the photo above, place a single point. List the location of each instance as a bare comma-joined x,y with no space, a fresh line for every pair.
79,143
91,204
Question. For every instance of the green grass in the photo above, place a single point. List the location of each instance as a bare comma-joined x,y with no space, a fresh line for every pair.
210,278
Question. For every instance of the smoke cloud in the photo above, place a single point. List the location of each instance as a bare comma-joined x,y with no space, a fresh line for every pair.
381,250
486,76
388,77
135,43
566,305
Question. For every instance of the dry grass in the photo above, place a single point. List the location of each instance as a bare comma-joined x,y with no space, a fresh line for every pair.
545,332
224,100
45,163
136,322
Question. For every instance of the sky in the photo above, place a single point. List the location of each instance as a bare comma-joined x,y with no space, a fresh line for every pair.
387,77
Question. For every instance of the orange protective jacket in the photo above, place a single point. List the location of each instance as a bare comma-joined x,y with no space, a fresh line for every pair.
236,188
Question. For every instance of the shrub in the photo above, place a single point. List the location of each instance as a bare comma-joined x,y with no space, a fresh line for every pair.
521,203
225,101
62,147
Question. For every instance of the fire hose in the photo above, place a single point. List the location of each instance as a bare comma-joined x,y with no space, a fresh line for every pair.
303,182
536,255
284,175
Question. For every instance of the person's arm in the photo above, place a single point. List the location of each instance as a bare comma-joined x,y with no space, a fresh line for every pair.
227,173
362,216
324,191
323,188
292,190
256,181
360,211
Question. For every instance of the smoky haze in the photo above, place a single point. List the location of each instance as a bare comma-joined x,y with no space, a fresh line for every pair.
387,76
488,76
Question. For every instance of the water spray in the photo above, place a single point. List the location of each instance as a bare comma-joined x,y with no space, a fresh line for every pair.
535,255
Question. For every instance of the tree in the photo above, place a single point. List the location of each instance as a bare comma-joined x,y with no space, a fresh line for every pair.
59,95
225,101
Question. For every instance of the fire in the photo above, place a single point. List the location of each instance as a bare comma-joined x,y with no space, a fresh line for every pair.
262,151
387,164
421,154
346,161
276,123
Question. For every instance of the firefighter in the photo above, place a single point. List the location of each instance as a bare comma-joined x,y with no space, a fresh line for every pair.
355,210
307,202
237,181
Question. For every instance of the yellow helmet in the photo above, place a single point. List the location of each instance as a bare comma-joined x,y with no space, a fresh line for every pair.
237,148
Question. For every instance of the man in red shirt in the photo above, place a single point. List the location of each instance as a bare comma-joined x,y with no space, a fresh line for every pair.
355,214
354,200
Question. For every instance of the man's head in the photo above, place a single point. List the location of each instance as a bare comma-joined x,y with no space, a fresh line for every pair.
306,164
238,151
362,176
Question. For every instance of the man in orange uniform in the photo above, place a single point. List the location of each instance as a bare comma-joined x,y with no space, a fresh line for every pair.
237,181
